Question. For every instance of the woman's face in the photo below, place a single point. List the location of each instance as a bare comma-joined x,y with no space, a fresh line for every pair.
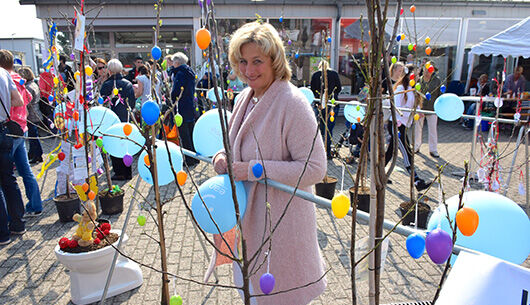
397,73
256,68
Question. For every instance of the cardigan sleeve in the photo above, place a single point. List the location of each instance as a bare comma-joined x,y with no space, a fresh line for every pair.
299,130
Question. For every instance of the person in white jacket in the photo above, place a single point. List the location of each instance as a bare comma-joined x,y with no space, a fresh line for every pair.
403,98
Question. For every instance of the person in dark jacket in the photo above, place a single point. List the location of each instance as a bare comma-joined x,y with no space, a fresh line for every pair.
120,104
184,86
67,73
334,88
133,73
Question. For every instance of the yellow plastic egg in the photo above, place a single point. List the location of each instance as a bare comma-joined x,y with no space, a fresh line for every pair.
412,83
340,205
89,70
115,91
331,118
55,80
427,40
416,117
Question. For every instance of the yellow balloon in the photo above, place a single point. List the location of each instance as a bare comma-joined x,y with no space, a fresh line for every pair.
340,205
427,40
412,82
88,70
416,117
115,91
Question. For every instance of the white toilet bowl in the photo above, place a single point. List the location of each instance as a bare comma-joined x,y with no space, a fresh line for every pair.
89,271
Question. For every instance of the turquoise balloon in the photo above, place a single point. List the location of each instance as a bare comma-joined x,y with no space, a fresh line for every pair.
308,94
207,133
503,230
100,119
118,147
449,107
217,195
352,112
211,94
163,168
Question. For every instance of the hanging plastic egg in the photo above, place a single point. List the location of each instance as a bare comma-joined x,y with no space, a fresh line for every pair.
266,283
340,205
127,129
257,170
89,70
412,8
416,117
428,96
442,89
178,119
181,177
203,38
61,156
394,59
115,91
427,40
417,87
55,80
141,220
127,160
428,51
175,300
412,82
146,160
156,52
467,221
415,245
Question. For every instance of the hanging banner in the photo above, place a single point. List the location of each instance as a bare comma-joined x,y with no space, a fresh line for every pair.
79,34
480,279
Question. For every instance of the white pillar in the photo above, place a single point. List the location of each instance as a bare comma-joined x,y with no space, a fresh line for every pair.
196,52
460,49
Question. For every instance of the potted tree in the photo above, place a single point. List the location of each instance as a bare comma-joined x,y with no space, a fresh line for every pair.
111,198
423,213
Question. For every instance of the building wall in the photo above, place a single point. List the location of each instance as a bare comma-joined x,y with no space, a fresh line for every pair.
453,28
26,49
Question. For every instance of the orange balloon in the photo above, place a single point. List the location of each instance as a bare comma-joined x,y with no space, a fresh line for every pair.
146,160
428,51
412,8
203,38
181,177
467,221
127,129
85,187
91,195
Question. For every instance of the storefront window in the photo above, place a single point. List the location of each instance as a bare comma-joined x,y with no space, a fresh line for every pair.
128,58
98,40
134,39
443,34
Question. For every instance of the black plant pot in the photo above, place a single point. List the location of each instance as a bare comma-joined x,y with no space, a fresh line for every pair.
67,207
111,205
364,199
423,213
326,188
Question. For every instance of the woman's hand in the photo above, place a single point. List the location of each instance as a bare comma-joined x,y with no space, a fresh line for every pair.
219,164
240,171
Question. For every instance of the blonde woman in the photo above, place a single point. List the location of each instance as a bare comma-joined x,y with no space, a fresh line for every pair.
276,112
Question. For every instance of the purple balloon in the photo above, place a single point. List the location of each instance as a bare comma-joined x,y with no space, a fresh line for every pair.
266,283
127,160
439,245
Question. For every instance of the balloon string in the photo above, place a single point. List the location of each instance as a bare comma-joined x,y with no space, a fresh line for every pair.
416,216
268,260
174,285
342,182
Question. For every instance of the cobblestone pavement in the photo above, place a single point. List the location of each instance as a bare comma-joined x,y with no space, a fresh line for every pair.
30,273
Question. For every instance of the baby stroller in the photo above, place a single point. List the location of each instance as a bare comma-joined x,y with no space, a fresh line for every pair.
351,138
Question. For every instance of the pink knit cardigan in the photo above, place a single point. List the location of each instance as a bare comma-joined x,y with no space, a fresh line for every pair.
285,126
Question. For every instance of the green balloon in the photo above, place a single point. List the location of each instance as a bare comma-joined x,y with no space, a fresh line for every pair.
99,142
410,46
141,220
175,300
394,59
418,87
178,120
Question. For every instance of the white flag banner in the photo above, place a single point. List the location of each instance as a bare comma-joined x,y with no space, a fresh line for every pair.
480,279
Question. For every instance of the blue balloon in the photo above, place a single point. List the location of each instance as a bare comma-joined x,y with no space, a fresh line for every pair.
308,94
257,170
442,89
428,96
100,119
150,112
207,133
415,245
503,230
449,107
163,167
352,112
211,94
118,147
216,193
156,52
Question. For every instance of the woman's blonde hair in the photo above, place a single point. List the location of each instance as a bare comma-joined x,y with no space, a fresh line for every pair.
268,40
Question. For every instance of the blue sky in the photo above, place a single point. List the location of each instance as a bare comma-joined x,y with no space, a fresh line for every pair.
19,21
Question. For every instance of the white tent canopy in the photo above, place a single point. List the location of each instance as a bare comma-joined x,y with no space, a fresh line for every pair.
514,41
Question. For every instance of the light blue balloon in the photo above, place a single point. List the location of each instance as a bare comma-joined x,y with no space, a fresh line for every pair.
118,147
207,133
503,230
211,94
163,168
352,112
216,193
70,124
449,107
308,94
100,119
